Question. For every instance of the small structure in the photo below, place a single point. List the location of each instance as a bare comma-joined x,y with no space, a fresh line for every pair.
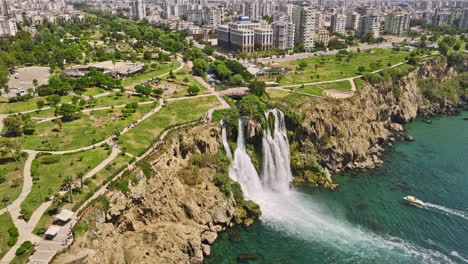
63,217
51,232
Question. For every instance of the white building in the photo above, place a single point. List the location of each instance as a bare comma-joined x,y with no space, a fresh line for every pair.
263,39
238,36
8,26
138,9
338,23
352,20
283,35
397,23
304,20
369,23
4,8
214,15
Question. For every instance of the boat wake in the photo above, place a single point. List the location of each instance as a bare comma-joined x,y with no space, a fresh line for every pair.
447,210
294,214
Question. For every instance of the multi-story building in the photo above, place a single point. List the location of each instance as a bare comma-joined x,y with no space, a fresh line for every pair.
397,23
441,17
7,26
263,39
283,35
304,21
369,23
352,20
4,8
464,19
238,36
323,36
138,9
338,23
214,15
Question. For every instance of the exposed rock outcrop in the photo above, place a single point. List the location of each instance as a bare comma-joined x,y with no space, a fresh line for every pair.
352,133
160,220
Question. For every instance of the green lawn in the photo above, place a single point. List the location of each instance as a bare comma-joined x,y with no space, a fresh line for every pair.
330,68
50,171
139,78
91,185
344,85
274,93
119,99
12,183
359,83
139,138
10,108
43,113
182,89
91,128
310,89
94,91
5,223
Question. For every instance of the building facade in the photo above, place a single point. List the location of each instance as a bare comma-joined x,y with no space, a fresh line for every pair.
397,23
263,39
369,23
304,21
138,9
338,23
323,36
283,35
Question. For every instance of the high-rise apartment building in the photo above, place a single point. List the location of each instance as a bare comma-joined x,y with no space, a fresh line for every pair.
214,15
369,23
352,20
338,23
138,9
304,21
4,8
7,26
283,35
397,23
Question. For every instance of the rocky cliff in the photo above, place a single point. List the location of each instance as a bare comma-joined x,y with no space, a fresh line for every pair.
351,133
160,219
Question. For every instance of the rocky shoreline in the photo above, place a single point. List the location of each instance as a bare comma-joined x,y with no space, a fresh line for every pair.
352,134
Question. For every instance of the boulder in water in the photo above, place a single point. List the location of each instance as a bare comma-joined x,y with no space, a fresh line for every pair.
466,118
247,257
396,127
409,138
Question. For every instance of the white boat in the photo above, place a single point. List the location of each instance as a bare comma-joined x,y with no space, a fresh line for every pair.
412,200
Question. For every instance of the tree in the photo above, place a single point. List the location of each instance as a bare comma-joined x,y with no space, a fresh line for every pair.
302,65
147,55
257,87
53,100
80,175
200,67
10,147
237,79
68,112
172,75
68,184
59,123
40,103
443,48
35,82
145,90
13,125
361,68
208,50
193,90
158,91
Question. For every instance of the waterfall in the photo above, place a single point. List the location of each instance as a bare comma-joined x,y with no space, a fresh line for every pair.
290,211
225,142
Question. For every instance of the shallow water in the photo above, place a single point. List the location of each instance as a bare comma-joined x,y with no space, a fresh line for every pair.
366,220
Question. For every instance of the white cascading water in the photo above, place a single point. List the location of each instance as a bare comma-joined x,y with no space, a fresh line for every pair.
289,211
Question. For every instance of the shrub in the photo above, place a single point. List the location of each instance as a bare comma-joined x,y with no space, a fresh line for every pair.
12,241
13,231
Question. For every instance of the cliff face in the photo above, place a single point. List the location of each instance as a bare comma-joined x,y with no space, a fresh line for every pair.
350,134
161,219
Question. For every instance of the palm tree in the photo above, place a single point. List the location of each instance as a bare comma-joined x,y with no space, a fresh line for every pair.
80,175
68,184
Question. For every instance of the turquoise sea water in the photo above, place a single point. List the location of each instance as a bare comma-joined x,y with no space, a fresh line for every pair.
366,220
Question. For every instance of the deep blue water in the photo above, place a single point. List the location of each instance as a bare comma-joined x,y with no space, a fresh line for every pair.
366,220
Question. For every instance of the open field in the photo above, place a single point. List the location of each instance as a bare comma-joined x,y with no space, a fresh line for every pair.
5,223
275,93
344,85
176,90
50,171
139,78
327,68
91,128
10,108
11,180
119,99
140,137
94,91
